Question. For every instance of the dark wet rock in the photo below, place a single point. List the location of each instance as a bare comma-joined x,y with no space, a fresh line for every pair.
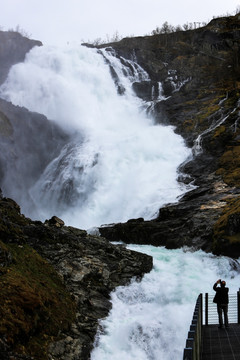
145,90
28,142
191,222
55,221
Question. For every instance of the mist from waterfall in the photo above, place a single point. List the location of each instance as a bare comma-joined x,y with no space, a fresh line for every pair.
119,164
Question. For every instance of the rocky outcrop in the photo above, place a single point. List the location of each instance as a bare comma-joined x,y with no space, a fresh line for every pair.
55,285
200,75
28,142
13,48
190,222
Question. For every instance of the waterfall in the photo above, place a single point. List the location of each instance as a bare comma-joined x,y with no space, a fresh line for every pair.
197,146
119,164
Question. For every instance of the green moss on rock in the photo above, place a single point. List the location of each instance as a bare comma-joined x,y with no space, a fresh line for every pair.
229,166
6,128
219,131
226,236
34,302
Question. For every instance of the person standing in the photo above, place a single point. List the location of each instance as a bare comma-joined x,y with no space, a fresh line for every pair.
221,299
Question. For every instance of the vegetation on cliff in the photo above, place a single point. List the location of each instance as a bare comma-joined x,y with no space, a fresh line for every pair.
227,228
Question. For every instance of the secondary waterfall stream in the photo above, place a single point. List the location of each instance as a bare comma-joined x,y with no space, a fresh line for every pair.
118,165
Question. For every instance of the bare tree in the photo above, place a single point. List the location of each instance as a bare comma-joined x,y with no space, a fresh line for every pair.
21,31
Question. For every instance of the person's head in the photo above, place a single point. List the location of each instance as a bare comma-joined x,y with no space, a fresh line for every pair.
223,283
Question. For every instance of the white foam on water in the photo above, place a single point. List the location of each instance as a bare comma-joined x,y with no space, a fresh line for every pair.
150,319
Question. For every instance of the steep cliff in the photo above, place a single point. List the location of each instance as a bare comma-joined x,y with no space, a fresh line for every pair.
28,140
13,48
199,71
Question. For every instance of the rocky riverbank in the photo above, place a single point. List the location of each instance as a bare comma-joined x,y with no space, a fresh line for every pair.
55,285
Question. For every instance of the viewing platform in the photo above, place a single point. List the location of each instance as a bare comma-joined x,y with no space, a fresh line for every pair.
205,340
220,344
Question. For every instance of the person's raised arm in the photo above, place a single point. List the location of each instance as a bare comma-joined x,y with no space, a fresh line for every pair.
216,284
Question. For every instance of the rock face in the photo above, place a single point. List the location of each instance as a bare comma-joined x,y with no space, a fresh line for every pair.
55,285
34,141
13,48
199,72
28,141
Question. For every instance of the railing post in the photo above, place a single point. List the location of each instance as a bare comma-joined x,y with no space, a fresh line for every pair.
193,343
200,325
206,309
238,306
188,353
201,311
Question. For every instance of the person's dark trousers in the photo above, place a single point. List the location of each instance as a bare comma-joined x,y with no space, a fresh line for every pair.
223,309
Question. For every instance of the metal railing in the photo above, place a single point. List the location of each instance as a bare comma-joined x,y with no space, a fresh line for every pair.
208,312
192,350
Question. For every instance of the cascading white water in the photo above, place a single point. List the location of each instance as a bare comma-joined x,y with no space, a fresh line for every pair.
150,319
119,165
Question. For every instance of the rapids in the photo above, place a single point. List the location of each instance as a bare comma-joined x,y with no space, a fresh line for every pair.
150,319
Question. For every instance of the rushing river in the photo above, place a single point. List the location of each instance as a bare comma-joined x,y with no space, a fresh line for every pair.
150,319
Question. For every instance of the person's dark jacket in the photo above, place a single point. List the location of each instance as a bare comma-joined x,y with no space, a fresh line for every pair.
221,297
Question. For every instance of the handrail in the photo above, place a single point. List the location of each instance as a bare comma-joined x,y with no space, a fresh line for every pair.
210,309
192,350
